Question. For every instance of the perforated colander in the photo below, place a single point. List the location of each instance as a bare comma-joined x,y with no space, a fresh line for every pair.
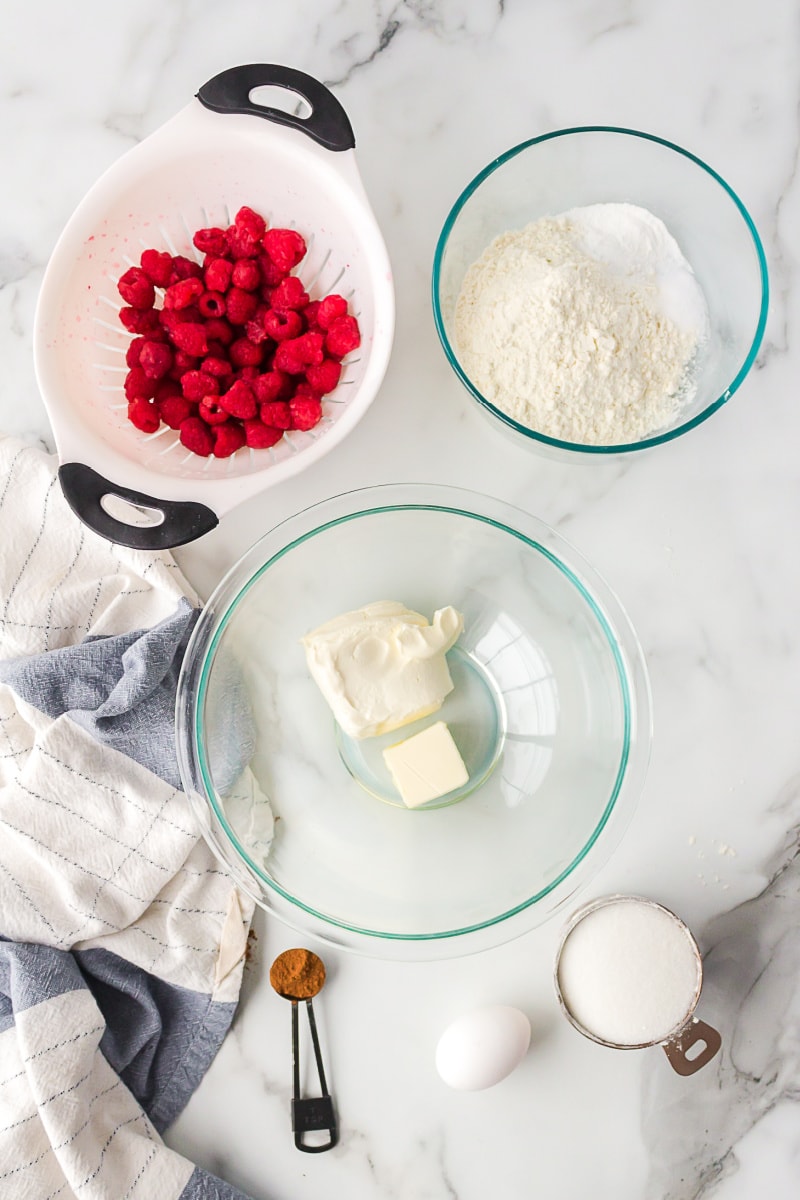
220,152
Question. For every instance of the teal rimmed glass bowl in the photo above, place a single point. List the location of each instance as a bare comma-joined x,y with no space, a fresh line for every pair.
550,710
570,168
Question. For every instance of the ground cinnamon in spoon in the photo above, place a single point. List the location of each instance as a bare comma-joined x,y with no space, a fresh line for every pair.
297,974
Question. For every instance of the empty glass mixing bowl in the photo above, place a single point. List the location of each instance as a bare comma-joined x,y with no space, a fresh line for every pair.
571,168
550,709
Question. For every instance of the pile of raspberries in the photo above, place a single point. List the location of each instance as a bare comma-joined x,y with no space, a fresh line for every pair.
237,353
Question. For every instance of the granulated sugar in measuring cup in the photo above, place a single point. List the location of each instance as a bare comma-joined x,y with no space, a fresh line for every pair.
628,974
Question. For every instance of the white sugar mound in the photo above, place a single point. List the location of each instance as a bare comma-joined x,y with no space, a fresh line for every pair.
628,973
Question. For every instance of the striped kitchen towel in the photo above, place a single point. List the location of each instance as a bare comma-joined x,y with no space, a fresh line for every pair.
122,943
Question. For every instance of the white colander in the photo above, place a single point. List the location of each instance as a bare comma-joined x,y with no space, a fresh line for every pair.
220,152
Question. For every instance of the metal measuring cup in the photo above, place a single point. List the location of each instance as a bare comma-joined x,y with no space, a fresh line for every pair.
688,1033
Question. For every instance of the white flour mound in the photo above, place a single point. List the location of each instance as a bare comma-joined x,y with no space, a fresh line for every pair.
583,326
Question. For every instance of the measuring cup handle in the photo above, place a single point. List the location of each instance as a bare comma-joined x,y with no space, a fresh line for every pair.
181,521
328,124
694,1033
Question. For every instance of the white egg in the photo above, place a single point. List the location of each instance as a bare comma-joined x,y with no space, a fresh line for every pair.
480,1048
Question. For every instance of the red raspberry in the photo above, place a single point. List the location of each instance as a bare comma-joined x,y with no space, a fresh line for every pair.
241,306
245,274
218,274
291,362
212,412
174,410
248,374
276,413
197,385
245,353
166,388
323,377
218,330
157,266
228,439
285,247
211,304
254,328
271,273
304,390
282,325
211,241
298,353
183,293
138,320
289,293
306,410
314,343
260,436
239,400
196,436
249,223
185,268
155,359
330,309
191,337
183,362
241,244
273,385
133,351
139,386
190,313
310,313
136,289
215,365
144,415
168,318
171,318
342,337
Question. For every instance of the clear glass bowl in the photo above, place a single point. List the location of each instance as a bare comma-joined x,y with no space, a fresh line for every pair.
570,168
551,710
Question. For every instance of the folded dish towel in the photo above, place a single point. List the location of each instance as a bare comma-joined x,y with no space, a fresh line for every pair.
122,943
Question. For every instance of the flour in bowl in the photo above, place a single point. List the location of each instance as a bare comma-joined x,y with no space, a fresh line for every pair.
584,326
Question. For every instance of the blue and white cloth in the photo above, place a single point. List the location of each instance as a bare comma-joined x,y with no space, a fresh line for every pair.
122,942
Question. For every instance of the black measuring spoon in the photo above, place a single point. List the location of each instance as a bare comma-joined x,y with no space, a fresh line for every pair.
299,975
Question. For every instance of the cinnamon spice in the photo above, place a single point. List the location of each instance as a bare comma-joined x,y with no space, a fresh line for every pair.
297,974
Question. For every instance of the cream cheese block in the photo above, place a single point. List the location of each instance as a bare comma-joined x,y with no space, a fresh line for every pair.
383,665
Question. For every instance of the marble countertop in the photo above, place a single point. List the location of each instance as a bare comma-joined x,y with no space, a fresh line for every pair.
698,539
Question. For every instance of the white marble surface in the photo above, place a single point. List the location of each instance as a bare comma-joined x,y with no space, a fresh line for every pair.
698,539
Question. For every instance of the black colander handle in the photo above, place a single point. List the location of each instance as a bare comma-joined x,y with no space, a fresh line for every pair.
328,124
178,521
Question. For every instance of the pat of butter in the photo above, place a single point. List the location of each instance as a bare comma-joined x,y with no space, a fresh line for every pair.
426,766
